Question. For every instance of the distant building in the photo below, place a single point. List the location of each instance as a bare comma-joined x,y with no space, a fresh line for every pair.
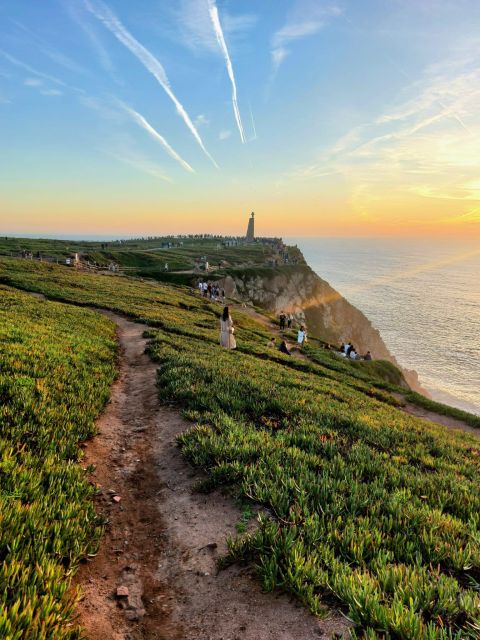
251,228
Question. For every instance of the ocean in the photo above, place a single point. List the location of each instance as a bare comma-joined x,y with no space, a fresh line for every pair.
424,298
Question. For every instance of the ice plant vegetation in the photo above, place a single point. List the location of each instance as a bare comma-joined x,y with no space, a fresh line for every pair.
56,367
362,506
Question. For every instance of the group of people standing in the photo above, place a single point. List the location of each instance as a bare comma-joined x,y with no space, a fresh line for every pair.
286,320
211,291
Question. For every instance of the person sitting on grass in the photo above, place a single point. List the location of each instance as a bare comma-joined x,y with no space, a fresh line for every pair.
271,343
367,356
284,348
227,337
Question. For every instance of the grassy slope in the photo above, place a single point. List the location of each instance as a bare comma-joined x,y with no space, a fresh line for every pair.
146,256
56,367
364,504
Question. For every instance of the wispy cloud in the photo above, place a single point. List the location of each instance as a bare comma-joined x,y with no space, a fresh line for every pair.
217,27
139,163
76,12
224,134
149,61
306,18
58,57
424,146
195,26
33,82
202,120
144,124
51,92
26,67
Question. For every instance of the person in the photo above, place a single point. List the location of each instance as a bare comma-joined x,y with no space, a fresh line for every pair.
209,290
342,348
367,356
284,348
271,342
353,354
301,336
227,337
349,349
290,320
282,318
223,295
200,286
205,289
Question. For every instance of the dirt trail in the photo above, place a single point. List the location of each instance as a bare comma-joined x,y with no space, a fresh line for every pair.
432,416
163,539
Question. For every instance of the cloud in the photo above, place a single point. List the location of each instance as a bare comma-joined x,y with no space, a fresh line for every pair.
44,47
224,134
201,120
305,19
139,163
217,27
31,70
195,27
149,61
144,124
424,146
33,82
51,92
77,15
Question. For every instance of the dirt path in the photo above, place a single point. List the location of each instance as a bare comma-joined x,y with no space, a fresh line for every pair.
438,418
163,539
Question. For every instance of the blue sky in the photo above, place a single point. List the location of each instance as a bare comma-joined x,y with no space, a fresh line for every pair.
156,116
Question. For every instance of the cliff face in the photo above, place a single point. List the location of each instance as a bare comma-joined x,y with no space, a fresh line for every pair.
298,290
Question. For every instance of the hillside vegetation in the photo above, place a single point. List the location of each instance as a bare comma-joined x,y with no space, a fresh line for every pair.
56,367
362,505
147,257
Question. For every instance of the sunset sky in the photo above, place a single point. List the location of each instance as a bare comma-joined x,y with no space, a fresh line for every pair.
341,117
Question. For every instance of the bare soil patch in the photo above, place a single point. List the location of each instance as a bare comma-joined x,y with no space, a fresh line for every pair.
163,539
438,418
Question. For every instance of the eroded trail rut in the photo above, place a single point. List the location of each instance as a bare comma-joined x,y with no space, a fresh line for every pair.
163,539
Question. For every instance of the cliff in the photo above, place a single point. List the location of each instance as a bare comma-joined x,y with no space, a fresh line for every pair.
329,316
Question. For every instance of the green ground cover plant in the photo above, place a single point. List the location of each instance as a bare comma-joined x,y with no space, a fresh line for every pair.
57,364
363,505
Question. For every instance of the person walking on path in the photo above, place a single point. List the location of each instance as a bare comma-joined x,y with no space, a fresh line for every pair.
227,331
289,320
282,318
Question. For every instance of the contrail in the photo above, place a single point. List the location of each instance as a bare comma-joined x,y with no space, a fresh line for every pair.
142,122
113,24
213,11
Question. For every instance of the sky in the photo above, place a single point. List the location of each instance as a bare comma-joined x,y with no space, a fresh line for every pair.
325,117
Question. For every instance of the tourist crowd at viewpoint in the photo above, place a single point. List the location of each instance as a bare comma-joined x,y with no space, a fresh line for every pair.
211,291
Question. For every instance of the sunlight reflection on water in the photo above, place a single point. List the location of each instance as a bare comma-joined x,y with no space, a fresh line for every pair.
427,307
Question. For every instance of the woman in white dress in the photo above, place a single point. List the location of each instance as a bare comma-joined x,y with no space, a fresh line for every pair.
227,337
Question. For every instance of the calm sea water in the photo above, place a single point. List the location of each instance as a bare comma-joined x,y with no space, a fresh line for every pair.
423,296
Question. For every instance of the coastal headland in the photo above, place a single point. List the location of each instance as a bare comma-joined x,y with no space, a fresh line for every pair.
155,485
